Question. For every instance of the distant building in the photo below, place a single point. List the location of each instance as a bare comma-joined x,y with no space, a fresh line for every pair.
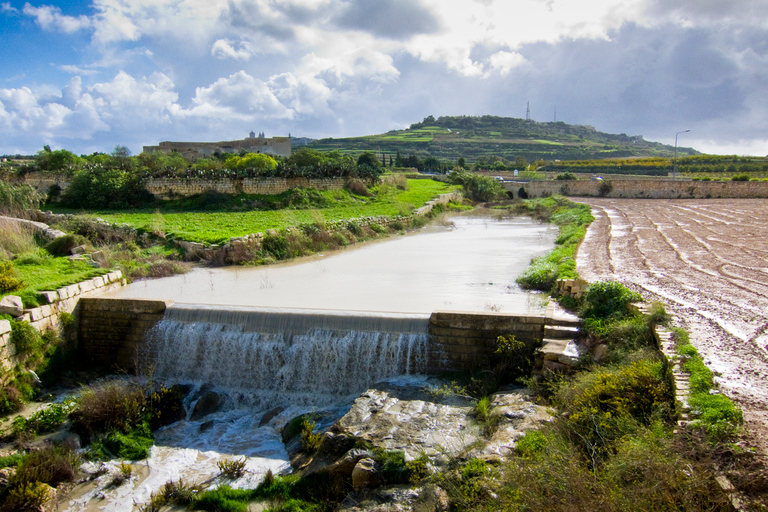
277,146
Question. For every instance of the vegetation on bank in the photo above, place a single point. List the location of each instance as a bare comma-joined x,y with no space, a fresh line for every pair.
573,220
215,218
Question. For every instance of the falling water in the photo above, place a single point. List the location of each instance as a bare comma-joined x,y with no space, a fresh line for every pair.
264,358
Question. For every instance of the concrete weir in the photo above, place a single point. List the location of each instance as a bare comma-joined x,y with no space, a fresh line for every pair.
112,332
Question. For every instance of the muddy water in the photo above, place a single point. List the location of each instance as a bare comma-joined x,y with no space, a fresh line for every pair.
470,266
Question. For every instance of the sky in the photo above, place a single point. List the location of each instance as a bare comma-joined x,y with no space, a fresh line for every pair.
89,75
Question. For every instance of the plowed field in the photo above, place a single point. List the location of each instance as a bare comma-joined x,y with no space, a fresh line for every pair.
707,261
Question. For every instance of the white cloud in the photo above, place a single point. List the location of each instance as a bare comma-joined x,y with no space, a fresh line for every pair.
223,49
239,96
503,62
76,70
49,17
6,7
305,96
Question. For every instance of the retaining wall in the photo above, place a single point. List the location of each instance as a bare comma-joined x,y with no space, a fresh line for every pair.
63,300
112,331
643,189
465,340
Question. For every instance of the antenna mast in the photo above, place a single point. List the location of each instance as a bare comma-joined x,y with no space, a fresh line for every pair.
528,112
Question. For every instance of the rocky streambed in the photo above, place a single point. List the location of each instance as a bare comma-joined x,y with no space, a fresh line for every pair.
423,418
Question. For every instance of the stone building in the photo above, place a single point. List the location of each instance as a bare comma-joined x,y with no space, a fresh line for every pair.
276,146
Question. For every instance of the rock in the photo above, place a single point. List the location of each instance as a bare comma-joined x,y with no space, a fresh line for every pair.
99,258
345,466
269,415
432,499
5,476
11,305
205,427
364,474
600,352
209,403
80,249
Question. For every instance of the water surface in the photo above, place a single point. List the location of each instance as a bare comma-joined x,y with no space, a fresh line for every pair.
471,266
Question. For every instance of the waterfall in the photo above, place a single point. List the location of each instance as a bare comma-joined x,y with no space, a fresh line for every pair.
266,357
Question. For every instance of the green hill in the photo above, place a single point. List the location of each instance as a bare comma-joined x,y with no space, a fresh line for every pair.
473,138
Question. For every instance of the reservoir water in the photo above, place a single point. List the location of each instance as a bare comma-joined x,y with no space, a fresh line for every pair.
469,266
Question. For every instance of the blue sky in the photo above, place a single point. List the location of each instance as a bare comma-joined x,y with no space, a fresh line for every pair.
89,75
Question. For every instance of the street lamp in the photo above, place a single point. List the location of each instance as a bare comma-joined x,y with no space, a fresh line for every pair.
674,160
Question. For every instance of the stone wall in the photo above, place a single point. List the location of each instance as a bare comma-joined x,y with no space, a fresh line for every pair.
112,331
465,340
63,300
642,189
168,188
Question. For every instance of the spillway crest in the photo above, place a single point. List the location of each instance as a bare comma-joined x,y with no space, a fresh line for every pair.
266,357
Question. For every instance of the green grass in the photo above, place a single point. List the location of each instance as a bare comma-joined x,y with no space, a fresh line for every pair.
219,226
41,271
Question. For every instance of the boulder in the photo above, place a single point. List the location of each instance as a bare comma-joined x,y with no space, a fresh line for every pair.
99,258
364,474
269,415
432,499
209,403
80,249
11,305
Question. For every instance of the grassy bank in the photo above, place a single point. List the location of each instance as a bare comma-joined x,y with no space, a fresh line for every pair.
215,219
573,220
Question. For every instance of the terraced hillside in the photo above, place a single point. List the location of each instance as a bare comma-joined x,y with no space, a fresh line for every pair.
474,138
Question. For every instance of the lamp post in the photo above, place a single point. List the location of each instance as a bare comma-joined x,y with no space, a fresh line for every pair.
674,159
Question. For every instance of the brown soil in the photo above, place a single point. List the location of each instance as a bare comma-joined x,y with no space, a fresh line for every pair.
707,262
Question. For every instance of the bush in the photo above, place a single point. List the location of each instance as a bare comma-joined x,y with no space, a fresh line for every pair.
111,406
9,281
609,299
17,200
51,465
606,404
310,440
232,468
43,421
566,176
63,245
25,338
740,177
28,497
477,187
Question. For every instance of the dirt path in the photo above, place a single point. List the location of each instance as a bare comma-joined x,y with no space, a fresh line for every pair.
707,261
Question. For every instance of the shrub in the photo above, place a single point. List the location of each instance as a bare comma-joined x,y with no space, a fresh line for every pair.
566,176
358,187
51,465
43,421
28,497
608,300
391,464
9,281
110,406
310,440
63,245
605,404
25,338
17,200
486,416
232,468
477,187
532,443
740,177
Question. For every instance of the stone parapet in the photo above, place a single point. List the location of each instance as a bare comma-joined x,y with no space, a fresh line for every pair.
641,189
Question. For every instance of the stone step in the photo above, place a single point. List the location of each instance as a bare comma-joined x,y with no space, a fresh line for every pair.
561,331
562,350
555,315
